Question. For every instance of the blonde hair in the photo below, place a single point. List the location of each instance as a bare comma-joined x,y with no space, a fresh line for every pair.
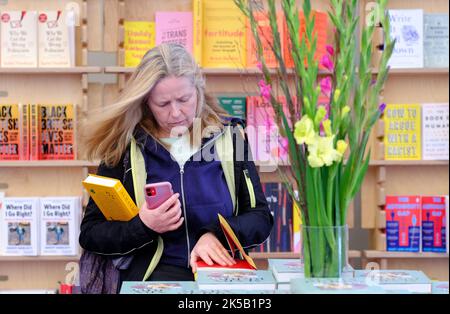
109,132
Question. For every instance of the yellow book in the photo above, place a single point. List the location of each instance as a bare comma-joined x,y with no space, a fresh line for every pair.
297,228
111,197
402,132
197,12
224,35
139,37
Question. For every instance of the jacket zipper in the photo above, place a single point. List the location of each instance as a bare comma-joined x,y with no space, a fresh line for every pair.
185,215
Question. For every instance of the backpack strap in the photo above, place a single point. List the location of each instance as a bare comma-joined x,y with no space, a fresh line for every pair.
224,149
139,174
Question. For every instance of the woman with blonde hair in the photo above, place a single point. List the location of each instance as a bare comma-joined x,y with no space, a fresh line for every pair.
186,139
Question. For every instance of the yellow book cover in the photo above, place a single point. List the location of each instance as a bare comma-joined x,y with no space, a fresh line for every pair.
139,37
402,132
111,197
14,132
224,35
197,18
297,228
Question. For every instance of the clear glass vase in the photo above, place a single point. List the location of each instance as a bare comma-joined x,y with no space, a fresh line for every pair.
325,251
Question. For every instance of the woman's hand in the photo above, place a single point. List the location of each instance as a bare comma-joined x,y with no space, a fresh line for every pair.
210,250
167,217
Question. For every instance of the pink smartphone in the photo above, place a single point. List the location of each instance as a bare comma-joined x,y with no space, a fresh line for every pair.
157,193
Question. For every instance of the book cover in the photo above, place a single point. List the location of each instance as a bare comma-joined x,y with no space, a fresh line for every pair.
14,143
402,132
403,223
59,225
197,30
111,197
296,228
266,35
435,40
139,37
55,131
224,35
174,27
439,287
234,105
18,39
433,224
54,47
320,30
435,131
333,286
286,269
407,30
158,287
236,279
19,226
447,220
395,280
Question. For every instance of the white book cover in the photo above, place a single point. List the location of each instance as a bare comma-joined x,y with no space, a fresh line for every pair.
435,130
18,39
407,29
53,39
59,225
19,226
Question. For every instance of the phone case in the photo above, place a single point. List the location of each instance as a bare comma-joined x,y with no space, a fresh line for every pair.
157,193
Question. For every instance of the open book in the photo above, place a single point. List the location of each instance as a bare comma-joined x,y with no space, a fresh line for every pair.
246,263
111,197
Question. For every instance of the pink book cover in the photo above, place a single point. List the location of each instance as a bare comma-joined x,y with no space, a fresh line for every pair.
174,27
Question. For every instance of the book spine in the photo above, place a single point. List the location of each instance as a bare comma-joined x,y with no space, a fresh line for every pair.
34,132
126,199
198,29
24,132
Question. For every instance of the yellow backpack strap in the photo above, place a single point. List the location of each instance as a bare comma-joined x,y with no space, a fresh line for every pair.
139,174
224,149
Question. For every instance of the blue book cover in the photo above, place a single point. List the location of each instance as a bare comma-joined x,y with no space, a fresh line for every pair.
235,279
440,287
158,287
333,286
436,40
410,280
286,269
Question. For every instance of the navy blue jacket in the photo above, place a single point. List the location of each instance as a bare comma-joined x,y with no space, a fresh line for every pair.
205,195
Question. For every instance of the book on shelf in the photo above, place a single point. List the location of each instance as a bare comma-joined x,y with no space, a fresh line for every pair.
59,225
397,280
234,105
320,30
447,220
223,36
18,39
19,221
284,270
53,132
266,35
403,223
139,37
436,40
435,131
174,27
197,30
236,280
158,287
111,197
14,137
433,224
55,45
407,29
296,228
333,286
281,207
439,287
241,264
402,132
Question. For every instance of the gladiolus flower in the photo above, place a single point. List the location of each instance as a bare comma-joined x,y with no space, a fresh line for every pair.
330,50
337,94
320,115
382,108
327,63
345,112
325,86
304,131
322,152
327,127
341,147
259,66
265,90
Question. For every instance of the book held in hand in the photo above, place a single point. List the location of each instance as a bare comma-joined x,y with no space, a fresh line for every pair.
236,279
111,197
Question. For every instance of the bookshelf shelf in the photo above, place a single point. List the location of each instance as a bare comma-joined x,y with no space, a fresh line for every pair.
72,70
429,71
257,255
371,254
48,163
408,163
39,258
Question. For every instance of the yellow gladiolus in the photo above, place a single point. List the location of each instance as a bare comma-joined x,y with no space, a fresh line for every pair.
337,94
345,112
341,147
320,114
322,152
327,127
304,131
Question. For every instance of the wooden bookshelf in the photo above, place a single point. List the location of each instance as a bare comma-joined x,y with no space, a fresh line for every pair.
47,164
407,255
39,258
71,70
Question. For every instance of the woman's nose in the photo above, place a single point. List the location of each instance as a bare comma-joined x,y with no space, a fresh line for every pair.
175,110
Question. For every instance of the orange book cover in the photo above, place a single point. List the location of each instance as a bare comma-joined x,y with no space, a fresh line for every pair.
234,244
266,35
14,132
320,27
